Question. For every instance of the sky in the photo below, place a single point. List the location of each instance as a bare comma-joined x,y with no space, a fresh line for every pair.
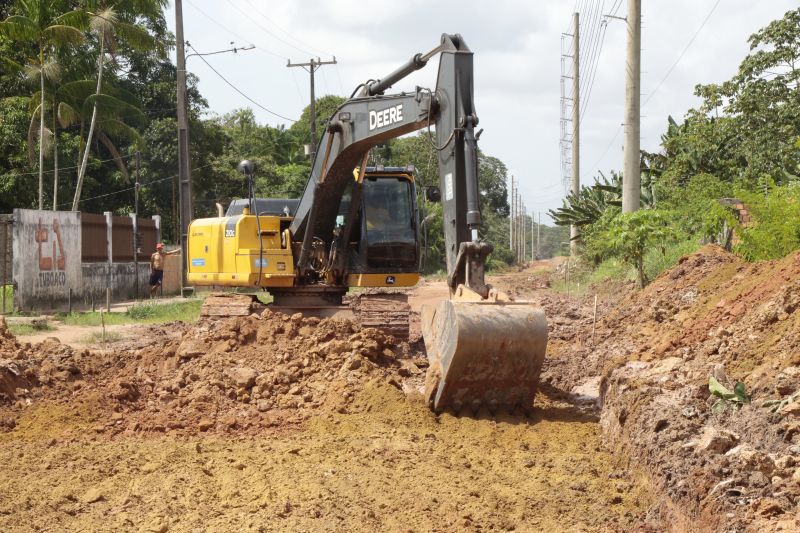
517,46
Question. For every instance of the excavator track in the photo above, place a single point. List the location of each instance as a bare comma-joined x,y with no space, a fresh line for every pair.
222,305
387,312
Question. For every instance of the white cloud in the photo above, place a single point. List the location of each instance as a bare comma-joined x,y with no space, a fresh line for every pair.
517,65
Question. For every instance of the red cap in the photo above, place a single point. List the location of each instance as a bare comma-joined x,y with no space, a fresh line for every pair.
159,246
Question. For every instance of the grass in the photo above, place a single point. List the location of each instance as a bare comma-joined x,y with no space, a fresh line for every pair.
30,328
141,313
655,262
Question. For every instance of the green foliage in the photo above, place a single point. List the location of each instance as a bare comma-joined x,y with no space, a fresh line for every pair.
326,106
146,312
588,205
741,143
776,405
632,235
657,260
775,230
30,328
693,199
595,244
727,399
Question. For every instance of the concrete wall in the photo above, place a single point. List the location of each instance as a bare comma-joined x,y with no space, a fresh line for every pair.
119,276
49,274
47,258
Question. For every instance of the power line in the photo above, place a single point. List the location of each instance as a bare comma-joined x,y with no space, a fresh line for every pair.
689,44
593,73
235,88
131,188
264,28
264,49
63,168
266,18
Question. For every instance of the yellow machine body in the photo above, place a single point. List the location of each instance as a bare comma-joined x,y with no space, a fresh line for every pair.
225,251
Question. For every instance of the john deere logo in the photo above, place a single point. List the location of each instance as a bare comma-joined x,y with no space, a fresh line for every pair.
390,280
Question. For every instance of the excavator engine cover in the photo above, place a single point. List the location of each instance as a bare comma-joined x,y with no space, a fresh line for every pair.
483,353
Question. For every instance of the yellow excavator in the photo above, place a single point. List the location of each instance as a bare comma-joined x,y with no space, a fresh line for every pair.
358,226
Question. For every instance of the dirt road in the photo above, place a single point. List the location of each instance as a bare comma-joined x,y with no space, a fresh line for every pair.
149,437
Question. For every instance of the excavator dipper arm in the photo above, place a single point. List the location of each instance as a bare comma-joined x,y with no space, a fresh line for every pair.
484,349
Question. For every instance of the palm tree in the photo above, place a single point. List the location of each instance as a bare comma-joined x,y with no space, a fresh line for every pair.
113,110
39,22
107,25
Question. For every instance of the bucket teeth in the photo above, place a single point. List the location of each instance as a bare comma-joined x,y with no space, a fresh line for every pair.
475,405
457,405
483,354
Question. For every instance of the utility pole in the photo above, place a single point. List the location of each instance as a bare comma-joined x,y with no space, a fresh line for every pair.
538,237
511,218
136,239
516,229
631,186
524,225
533,248
184,170
576,126
311,67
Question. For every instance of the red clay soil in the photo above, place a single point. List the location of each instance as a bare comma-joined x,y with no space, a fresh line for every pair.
244,373
712,314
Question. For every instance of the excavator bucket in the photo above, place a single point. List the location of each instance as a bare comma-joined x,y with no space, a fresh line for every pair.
483,353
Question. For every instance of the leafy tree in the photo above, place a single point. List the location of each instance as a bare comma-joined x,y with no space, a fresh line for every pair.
45,23
631,235
108,25
325,108
775,231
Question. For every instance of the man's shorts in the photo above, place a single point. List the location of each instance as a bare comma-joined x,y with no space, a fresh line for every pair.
156,276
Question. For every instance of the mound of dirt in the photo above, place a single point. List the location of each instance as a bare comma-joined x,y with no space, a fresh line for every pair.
712,314
243,374
24,368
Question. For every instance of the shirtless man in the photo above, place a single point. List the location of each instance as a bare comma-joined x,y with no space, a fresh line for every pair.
157,267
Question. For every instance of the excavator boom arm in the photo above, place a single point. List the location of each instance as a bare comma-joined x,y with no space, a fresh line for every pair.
370,119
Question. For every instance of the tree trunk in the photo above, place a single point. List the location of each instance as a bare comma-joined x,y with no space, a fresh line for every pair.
82,169
55,154
41,128
640,271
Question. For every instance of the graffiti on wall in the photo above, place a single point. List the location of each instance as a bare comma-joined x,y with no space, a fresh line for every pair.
47,258
51,267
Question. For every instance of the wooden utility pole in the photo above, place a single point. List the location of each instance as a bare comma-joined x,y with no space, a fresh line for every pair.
538,237
576,124
631,186
311,67
184,169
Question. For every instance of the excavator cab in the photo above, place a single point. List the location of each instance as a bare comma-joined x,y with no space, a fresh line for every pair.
384,244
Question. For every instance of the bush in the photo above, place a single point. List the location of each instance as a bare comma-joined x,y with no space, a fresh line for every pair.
775,229
632,235
657,261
